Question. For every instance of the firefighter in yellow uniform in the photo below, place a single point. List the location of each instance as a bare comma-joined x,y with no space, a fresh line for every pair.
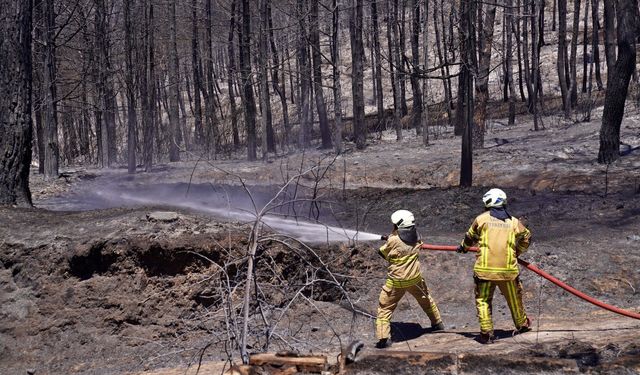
403,275
501,238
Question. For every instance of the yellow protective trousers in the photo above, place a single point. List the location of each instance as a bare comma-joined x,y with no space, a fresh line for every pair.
512,292
390,296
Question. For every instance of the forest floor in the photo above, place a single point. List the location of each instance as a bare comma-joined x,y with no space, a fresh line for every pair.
95,281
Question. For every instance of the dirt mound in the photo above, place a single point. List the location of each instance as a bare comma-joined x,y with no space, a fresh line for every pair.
113,290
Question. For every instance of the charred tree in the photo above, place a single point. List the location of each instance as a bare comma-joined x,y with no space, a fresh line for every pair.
197,79
130,88
231,74
263,78
509,27
15,102
275,82
595,40
562,57
628,29
149,126
357,59
174,86
50,96
321,107
467,32
212,122
482,79
337,89
574,55
248,101
610,33
585,44
304,78
416,114
377,55
396,67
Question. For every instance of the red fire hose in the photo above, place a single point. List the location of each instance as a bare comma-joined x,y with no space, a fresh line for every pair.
554,280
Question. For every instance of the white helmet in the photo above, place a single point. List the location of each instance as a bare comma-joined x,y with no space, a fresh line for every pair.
494,198
403,219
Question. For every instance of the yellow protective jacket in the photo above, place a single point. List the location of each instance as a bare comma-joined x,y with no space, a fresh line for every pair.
500,243
404,266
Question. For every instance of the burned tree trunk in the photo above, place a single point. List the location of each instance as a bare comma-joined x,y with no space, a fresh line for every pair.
618,80
482,80
130,88
357,89
337,89
415,62
197,79
50,96
595,41
609,33
574,55
304,77
397,65
212,121
562,57
275,82
467,32
321,107
248,101
15,102
231,74
174,87
263,78
378,60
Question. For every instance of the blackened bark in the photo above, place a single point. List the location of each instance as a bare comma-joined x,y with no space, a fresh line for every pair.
562,57
509,64
248,101
415,62
337,89
15,102
482,79
149,127
397,68
50,96
275,81
442,57
304,78
574,54
174,86
321,107
263,78
595,40
357,89
467,51
585,44
130,88
610,33
197,79
627,18
210,106
231,74
378,60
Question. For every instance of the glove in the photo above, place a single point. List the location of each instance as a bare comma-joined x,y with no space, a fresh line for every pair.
461,249
384,238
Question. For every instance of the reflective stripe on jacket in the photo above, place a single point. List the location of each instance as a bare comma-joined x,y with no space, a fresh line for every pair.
404,267
499,243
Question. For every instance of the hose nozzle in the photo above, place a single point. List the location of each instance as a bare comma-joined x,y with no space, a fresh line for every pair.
384,238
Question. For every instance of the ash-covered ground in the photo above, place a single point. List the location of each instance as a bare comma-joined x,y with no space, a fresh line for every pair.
91,287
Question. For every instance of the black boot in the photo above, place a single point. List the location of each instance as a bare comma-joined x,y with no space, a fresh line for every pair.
383,343
437,327
486,338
